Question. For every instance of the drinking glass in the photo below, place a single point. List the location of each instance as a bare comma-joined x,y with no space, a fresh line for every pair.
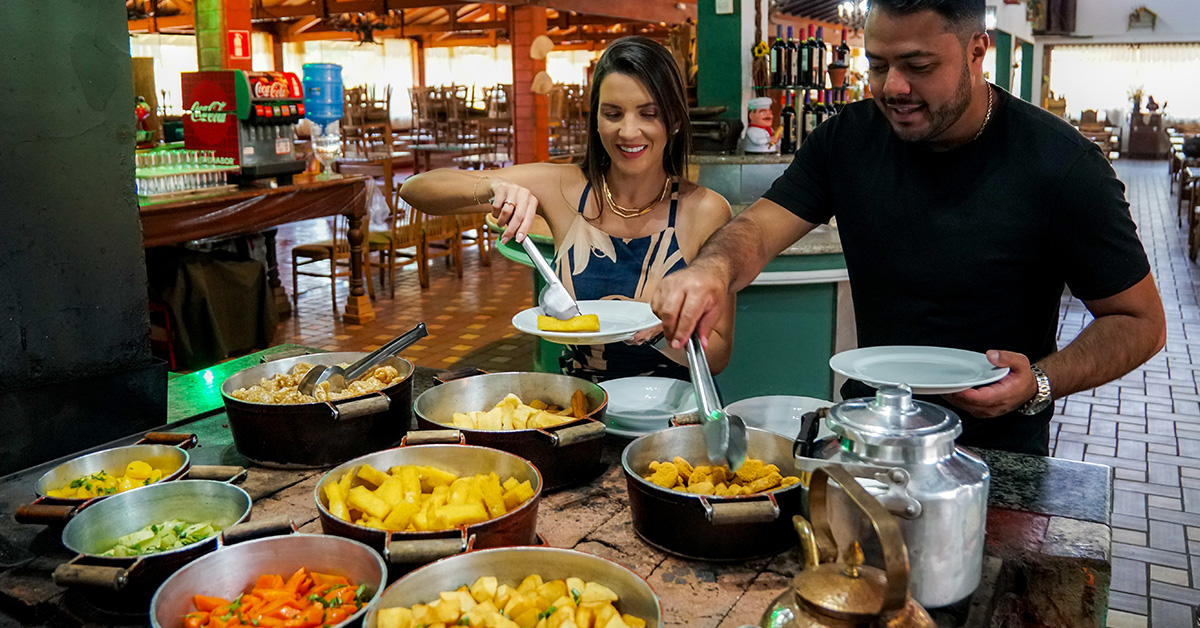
327,147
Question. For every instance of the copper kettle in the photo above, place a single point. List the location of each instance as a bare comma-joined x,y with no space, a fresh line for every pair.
847,594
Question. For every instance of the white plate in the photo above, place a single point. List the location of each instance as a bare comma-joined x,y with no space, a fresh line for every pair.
619,320
647,402
616,429
778,413
927,370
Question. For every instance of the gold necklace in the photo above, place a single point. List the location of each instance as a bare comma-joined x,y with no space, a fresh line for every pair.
625,212
989,113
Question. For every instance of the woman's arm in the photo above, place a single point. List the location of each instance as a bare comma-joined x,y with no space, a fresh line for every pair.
514,194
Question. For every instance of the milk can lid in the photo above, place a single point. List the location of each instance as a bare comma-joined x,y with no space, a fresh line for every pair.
893,417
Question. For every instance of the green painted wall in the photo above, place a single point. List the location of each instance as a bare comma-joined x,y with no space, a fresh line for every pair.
719,58
1003,76
1027,71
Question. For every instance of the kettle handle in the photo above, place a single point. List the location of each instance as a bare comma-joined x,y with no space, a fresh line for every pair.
895,553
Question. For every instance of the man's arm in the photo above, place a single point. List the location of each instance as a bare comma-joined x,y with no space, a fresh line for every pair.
695,298
1129,329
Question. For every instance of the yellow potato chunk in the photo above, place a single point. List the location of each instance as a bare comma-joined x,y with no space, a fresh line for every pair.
138,470
370,474
702,488
575,324
433,477
665,475
484,588
595,592
765,483
363,499
685,469
398,617
401,515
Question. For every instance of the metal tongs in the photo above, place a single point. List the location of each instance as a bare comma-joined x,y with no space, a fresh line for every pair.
338,377
724,433
554,299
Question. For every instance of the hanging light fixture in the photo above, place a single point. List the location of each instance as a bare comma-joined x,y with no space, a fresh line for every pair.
853,14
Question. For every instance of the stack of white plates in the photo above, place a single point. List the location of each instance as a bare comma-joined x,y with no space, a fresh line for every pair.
643,405
778,413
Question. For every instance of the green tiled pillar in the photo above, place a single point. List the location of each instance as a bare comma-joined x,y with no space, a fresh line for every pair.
210,19
719,58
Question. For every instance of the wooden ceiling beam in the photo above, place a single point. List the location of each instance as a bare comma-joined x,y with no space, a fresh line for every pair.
627,10
301,25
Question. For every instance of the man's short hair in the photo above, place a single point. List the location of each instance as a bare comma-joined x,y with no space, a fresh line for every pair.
964,17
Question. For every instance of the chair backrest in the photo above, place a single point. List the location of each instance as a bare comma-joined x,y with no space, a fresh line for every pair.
406,223
1088,117
354,106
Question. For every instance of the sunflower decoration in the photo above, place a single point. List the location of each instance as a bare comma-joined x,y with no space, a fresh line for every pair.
760,68
761,49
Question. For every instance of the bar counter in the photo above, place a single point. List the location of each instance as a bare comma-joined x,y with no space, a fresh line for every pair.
1047,560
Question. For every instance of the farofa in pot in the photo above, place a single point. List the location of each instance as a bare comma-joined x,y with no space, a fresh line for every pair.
281,389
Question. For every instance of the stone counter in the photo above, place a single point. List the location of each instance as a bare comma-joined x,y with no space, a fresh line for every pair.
1047,557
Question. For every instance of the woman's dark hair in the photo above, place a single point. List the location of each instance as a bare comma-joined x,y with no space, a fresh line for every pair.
651,63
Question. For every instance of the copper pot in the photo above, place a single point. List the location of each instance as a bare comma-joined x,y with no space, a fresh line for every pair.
319,434
405,550
708,527
565,454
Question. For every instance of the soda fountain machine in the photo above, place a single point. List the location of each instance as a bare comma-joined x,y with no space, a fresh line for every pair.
247,118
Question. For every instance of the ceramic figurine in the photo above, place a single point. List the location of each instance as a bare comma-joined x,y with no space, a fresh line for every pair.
761,136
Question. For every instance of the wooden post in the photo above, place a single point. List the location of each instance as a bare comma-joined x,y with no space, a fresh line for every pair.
530,112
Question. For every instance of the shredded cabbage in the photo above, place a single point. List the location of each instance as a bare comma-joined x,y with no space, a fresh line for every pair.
160,537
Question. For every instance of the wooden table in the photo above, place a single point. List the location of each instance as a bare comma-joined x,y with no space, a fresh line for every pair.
385,161
1046,560
483,161
427,150
252,210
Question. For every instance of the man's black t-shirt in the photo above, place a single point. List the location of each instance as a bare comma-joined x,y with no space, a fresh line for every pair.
968,248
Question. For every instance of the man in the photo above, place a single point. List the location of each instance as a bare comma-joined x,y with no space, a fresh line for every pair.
962,212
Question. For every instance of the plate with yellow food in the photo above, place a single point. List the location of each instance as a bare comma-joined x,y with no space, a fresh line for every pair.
599,322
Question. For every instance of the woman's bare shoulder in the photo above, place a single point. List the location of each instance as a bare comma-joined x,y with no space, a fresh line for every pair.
705,209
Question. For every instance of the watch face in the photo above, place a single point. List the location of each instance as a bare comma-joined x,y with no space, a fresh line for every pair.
1035,406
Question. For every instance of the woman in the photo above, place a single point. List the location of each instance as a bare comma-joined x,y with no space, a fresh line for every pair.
622,220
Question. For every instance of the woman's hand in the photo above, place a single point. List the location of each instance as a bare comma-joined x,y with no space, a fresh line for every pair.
646,336
513,207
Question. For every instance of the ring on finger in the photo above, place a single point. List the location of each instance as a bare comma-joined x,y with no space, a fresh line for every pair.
508,203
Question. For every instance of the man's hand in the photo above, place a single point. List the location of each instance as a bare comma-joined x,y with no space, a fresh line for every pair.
692,299
1004,396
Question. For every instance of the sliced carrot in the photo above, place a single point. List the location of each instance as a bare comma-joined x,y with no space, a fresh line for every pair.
321,578
207,603
293,583
311,617
195,620
339,614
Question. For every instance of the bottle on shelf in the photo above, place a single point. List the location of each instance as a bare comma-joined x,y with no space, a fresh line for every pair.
830,109
818,59
804,63
789,60
787,143
807,118
811,45
841,54
778,50
819,112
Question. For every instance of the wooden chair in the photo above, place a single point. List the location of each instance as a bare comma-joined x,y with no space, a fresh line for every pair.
354,120
473,230
401,244
337,252
441,237
424,117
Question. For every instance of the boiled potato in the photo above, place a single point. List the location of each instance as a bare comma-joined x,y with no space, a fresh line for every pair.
421,498
533,603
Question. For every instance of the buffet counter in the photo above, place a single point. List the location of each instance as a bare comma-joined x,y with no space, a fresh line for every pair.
1047,560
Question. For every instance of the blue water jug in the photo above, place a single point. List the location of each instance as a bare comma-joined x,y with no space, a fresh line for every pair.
323,92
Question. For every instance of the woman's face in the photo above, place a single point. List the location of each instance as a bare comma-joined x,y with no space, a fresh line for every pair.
630,125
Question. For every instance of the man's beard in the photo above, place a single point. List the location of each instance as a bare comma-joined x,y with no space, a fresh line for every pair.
942,118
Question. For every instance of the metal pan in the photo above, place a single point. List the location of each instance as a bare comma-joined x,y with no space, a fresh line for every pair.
405,550
125,581
162,450
320,434
564,454
510,566
230,571
708,527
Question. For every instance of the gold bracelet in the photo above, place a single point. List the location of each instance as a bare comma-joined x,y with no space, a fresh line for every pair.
475,190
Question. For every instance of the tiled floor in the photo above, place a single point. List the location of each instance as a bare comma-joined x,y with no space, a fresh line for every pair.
468,318
1146,425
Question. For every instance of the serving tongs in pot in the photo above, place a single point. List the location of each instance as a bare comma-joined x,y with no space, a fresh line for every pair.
724,434
338,377
554,299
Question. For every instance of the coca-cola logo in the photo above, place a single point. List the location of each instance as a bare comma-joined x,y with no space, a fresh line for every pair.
271,90
211,113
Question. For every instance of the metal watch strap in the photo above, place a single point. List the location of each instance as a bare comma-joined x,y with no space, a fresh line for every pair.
1042,398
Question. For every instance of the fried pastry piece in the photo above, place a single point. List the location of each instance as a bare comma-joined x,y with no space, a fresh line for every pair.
575,324
666,475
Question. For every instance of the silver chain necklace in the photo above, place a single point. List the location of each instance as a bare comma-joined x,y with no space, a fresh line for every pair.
988,117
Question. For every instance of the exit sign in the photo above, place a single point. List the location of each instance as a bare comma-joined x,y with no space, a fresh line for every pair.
239,44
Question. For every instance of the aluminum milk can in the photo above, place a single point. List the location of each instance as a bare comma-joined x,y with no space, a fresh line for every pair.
902,451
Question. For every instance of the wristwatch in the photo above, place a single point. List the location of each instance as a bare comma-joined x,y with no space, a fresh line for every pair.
1042,398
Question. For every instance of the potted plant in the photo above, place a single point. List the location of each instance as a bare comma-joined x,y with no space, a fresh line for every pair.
1135,95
